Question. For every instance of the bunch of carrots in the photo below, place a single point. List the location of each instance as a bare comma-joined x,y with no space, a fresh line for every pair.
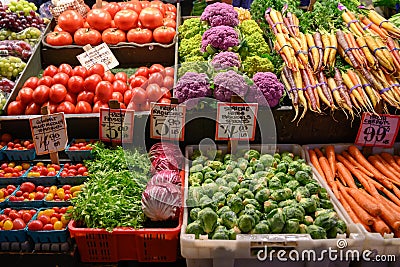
368,188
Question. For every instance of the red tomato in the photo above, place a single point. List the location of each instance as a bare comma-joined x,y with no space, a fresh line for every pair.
112,8
35,225
84,36
32,109
164,101
146,106
122,76
41,94
119,86
113,24
138,81
91,82
127,96
44,219
132,106
57,28
86,96
126,19
122,105
170,7
66,107
133,5
45,80
108,76
50,70
61,78
51,107
157,78
66,68
168,71
26,217
145,4
83,107
57,38
142,71
113,36
156,68
169,22
57,93
80,71
168,82
166,92
31,82
159,5
75,84
140,36
70,21
164,34
99,19
96,69
98,105
151,18
117,96
18,224
138,95
104,91
153,92
171,15
25,95
70,98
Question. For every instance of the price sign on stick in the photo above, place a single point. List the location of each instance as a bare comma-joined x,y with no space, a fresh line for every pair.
236,121
167,121
377,130
116,125
98,54
49,133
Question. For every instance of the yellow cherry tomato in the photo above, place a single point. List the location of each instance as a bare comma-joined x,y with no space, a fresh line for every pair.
11,164
61,195
40,164
25,166
58,225
64,219
32,195
49,197
1,193
34,174
53,189
2,199
76,193
48,212
51,169
75,188
53,220
8,175
70,207
8,225
18,168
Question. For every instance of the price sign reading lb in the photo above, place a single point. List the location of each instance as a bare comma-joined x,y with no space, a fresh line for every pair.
236,121
167,121
98,54
377,130
116,125
49,132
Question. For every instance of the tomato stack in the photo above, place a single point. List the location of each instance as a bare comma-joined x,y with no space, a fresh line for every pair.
135,21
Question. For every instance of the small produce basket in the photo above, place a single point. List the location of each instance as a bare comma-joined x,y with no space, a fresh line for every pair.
20,155
23,204
4,203
14,235
13,180
263,249
42,180
56,203
78,155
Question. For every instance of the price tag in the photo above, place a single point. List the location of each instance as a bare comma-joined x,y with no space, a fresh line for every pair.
116,125
236,121
167,121
49,132
98,54
377,130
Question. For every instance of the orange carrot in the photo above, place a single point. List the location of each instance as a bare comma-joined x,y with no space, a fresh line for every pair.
390,216
315,162
361,177
318,152
330,155
342,180
364,202
355,163
349,210
346,175
391,196
330,179
382,168
396,191
397,159
388,202
390,159
387,165
381,227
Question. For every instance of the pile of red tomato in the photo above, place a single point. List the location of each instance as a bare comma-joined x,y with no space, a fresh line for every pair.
80,90
134,21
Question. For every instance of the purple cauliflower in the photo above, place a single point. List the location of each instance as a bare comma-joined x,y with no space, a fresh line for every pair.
267,89
220,14
228,83
220,37
192,85
225,60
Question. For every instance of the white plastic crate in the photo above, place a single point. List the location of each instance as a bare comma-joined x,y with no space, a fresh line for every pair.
243,251
382,245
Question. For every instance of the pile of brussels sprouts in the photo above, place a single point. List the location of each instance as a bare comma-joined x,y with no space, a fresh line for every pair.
250,193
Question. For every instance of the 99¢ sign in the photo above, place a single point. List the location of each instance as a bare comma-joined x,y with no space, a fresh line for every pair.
167,121
377,130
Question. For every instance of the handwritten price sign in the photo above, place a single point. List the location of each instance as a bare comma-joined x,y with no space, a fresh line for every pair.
116,125
167,121
236,121
98,54
49,132
377,130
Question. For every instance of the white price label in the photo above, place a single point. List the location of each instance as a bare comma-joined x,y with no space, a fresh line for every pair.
98,54
116,125
236,121
377,130
167,121
49,133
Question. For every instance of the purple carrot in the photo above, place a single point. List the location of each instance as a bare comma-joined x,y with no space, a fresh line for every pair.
324,86
318,44
342,42
309,89
343,93
269,20
289,76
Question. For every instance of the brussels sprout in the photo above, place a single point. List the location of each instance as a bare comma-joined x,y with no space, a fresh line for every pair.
242,163
246,184
303,177
274,183
326,204
308,204
206,168
215,165
194,213
230,165
197,162
219,155
227,157
281,194
251,154
306,168
308,220
332,233
341,227
208,219
282,167
248,172
196,168
262,195
277,156
323,194
225,189
244,193
316,199
258,166
230,177
286,203
260,174
194,228
321,211
221,173
327,220
253,202
269,206
246,223
293,212
261,228
266,160
294,167
236,204
282,177
233,232
210,189
234,186
287,154
316,232
293,184
196,178
221,181
194,195
196,154
302,228
211,175
301,192
286,159
221,234
229,219
208,181
276,220
238,173
219,199
206,201
223,210
313,187
289,178
292,226
253,213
